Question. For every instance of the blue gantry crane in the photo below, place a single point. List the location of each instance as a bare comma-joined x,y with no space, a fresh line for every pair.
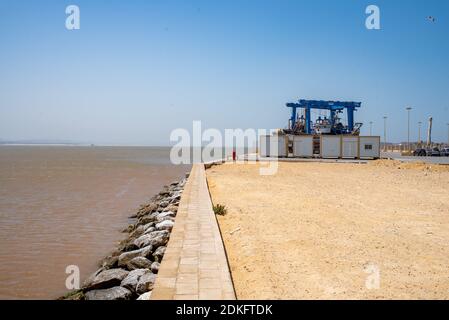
326,125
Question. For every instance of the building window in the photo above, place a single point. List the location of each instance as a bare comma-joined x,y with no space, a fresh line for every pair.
368,147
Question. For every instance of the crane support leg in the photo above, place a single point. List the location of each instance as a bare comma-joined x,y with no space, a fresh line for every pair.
308,120
350,119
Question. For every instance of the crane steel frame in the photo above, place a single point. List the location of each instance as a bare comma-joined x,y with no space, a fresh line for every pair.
332,106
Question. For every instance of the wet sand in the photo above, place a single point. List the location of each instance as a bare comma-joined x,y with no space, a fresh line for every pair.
336,231
63,206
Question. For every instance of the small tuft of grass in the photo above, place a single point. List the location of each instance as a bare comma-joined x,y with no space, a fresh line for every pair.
73,295
220,209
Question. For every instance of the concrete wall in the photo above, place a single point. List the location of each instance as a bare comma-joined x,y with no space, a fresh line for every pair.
330,146
369,147
349,147
273,146
303,146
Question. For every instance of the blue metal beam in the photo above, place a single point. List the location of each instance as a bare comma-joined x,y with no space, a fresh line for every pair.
350,119
293,118
308,128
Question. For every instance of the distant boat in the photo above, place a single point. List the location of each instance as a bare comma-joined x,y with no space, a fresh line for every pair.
323,128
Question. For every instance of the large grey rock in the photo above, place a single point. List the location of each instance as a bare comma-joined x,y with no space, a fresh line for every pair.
115,293
146,283
155,239
127,245
131,280
165,225
147,209
91,278
165,215
164,193
145,296
164,203
139,263
159,253
126,257
109,262
172,207
159,233
145,220
170,218
137,232
154,215
106,279
148,226
176,196
149,230
155,267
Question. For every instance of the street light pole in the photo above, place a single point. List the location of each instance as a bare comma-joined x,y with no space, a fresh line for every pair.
370,128
385,133
448,134
408,126
419,132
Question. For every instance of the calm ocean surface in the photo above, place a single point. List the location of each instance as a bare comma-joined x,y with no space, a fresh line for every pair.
63,206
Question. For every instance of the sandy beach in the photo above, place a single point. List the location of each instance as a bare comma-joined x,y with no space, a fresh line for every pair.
325,231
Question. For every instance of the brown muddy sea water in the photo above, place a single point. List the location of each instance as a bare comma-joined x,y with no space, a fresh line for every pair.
62,206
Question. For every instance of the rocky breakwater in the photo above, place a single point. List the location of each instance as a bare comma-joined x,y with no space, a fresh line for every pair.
130,271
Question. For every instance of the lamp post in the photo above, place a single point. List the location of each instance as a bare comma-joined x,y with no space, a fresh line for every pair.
448,134
419,132
408,126
385,133
370,128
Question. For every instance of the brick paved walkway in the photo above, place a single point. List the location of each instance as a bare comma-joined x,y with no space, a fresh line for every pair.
194,265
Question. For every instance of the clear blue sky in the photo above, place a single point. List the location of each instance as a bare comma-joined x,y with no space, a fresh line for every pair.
137,69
